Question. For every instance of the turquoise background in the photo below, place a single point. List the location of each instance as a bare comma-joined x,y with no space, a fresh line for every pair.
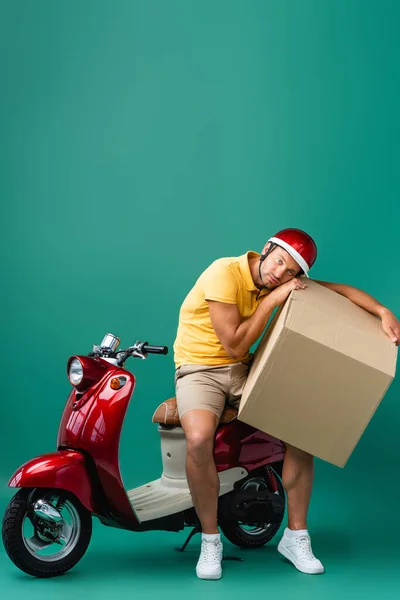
140,140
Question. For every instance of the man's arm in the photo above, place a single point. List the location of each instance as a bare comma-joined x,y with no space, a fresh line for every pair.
237,336
390,323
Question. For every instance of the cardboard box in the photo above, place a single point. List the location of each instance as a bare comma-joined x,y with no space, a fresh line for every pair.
319,373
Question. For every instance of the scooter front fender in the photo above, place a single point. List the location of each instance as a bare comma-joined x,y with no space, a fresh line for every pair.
65,470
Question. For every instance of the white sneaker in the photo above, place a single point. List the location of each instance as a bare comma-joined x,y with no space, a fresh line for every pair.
209,563
298,550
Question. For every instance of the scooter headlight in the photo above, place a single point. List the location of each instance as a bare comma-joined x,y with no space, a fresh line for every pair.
75,372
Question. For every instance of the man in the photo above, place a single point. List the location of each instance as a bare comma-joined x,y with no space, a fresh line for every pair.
223,315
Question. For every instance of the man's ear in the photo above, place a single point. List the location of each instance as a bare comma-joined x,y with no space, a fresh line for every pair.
267,245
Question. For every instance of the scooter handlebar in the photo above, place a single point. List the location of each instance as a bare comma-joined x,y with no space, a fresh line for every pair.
155,349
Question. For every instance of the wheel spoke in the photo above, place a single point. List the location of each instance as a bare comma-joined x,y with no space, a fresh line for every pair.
36,544
66,533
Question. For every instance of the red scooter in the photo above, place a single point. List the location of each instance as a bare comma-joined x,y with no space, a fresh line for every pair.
47,525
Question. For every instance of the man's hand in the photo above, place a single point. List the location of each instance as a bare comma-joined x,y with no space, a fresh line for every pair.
280,293
391,326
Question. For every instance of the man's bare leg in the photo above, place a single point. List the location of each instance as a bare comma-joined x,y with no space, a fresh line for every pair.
297,478
199,427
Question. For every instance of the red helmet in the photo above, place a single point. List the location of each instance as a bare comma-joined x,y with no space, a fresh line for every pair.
299,245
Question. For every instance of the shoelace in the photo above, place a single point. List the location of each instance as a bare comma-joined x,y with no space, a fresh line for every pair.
210,552
304,543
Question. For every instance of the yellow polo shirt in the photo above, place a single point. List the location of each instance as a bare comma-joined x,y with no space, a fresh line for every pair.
226,280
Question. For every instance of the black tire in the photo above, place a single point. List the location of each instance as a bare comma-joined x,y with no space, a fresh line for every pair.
15,543
235,531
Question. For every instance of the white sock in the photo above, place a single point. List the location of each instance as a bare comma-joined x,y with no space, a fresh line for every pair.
295,532
211,537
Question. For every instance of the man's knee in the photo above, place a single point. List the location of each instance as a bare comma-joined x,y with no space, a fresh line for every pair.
199,442
199,427
296,455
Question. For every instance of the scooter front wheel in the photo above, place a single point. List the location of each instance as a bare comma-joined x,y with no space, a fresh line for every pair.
46,531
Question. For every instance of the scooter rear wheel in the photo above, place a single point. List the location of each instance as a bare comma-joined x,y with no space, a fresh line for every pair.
41,548
249,536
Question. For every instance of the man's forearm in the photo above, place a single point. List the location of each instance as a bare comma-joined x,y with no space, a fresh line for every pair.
358,297
250,330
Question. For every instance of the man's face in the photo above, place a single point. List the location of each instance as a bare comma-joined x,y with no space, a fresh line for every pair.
279,267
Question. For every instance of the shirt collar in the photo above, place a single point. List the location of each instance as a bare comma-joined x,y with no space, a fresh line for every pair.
246,273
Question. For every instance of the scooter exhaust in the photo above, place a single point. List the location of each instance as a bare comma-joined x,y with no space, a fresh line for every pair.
44,510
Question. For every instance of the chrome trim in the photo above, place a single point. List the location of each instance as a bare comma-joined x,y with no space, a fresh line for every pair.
44,510
110,341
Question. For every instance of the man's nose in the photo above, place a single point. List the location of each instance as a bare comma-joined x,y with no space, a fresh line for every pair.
279,271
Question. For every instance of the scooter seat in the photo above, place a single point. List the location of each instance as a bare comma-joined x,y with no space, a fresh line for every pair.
167,414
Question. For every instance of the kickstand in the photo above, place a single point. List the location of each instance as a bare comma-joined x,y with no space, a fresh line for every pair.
196,529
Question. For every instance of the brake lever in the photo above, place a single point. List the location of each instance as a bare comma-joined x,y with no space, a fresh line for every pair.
139,354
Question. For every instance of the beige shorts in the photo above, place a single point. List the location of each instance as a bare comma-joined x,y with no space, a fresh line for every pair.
209,388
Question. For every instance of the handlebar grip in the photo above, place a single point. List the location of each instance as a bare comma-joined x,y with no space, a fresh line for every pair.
155,349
